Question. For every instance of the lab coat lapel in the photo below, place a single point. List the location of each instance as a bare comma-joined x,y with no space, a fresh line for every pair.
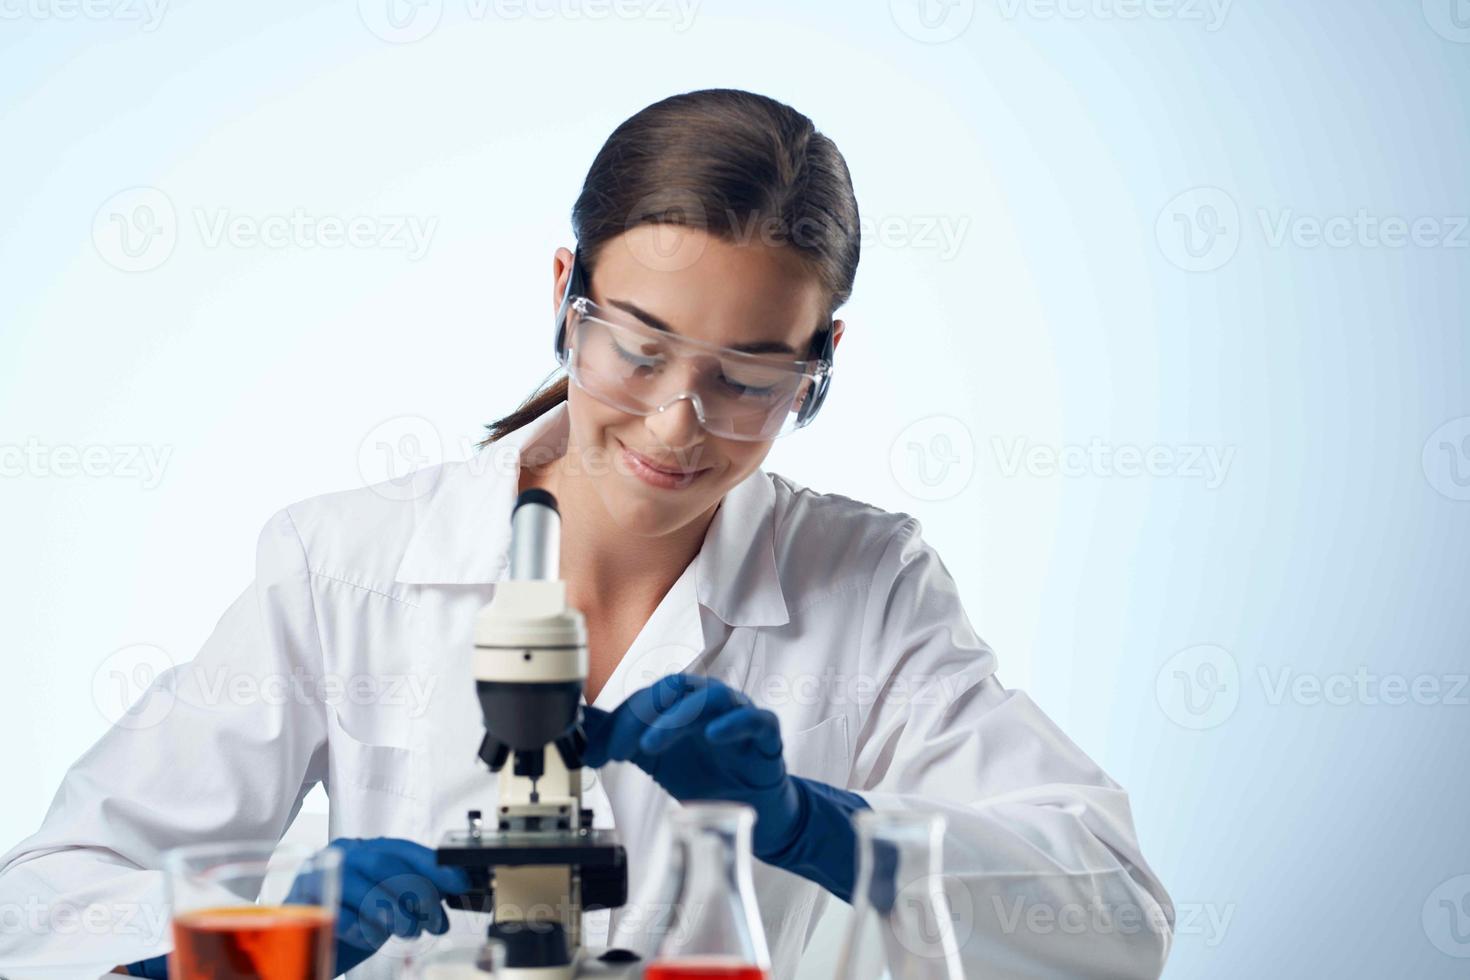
462,532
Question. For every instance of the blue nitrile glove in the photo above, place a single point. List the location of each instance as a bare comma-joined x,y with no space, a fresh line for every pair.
390,887
702,740
154,969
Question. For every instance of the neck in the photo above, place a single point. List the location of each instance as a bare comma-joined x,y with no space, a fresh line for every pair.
604,565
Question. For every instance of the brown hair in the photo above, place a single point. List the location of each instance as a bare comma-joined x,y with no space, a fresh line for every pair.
726,161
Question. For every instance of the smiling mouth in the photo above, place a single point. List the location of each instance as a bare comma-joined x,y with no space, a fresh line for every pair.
674,473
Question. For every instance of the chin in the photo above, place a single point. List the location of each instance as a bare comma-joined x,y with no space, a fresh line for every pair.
646,516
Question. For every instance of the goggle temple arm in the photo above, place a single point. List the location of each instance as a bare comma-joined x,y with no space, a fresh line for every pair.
576,286
822,349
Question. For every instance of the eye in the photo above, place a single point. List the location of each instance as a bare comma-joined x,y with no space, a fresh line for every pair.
745,390
630,357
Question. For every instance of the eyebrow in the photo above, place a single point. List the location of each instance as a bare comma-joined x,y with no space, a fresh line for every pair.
755,347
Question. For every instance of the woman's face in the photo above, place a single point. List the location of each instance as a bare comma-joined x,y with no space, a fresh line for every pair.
701,287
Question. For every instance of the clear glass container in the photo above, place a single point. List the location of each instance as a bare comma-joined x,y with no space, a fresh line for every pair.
460,961
901,927
256,909
715,927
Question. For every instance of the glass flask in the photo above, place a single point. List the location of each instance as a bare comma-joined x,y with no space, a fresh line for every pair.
901,928
252,909
715,932
461,961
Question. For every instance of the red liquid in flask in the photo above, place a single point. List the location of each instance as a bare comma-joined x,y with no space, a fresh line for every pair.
702,968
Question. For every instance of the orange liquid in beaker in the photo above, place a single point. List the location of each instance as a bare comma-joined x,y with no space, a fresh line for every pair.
702,968
287,942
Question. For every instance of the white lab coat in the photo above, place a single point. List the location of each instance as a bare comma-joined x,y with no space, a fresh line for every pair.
346,661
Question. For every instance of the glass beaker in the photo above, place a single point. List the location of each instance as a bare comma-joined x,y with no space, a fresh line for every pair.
901,927
236,913
716,932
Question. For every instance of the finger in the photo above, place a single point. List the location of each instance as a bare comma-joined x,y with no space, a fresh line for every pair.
615,738
362,921
398,856
403,905
597,726
408,886
760,727
625,726
689,716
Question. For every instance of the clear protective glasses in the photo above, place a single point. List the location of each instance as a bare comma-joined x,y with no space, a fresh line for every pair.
637,368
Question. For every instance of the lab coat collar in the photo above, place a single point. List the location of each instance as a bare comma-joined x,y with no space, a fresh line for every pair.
463,529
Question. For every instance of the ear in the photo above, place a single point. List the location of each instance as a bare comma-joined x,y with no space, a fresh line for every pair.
561,275
837,328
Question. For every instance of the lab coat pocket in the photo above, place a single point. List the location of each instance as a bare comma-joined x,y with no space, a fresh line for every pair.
356,765
820,752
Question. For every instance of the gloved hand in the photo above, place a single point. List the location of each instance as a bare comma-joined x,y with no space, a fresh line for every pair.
390,887
702,740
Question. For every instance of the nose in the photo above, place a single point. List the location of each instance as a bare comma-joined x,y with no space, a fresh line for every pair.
677,428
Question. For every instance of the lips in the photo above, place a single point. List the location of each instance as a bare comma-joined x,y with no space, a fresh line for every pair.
657,474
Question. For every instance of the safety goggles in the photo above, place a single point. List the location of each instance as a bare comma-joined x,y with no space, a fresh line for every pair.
634,367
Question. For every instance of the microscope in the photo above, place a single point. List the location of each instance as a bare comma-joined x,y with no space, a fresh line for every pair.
535,861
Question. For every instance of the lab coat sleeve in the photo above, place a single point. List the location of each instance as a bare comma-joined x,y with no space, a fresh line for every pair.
1042,866
222,747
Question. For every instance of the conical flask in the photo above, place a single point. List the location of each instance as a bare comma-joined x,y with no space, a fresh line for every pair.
716,931
901,927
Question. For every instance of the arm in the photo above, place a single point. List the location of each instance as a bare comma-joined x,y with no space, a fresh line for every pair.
1041,861
216,765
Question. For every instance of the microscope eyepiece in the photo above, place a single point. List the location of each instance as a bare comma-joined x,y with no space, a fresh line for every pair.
535,536
535,495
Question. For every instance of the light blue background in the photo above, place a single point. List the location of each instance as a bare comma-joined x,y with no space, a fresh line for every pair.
1113,176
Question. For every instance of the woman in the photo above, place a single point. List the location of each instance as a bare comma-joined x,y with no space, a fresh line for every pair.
813,649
